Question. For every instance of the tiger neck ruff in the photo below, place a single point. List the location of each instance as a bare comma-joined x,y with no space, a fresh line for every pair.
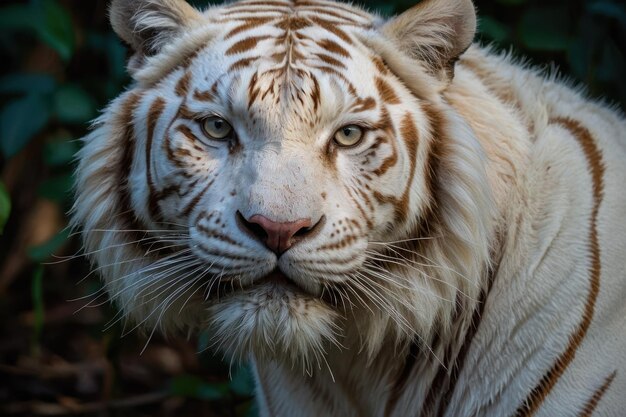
383,218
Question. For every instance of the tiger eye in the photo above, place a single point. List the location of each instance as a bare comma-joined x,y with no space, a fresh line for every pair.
348,135
216,128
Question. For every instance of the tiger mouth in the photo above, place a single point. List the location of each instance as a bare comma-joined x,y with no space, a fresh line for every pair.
276,279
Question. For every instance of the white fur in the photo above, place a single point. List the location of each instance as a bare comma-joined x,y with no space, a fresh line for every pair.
512,205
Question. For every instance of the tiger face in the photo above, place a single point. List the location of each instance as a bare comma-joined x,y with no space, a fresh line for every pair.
263,176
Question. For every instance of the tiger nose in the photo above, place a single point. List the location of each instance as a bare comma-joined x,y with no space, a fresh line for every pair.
277,236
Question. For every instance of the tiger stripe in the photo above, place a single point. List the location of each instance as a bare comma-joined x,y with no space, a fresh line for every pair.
535,398
249,24
594,400
154,114
182,87
129,220
245,45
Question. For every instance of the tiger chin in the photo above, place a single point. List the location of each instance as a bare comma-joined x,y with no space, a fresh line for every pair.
382,217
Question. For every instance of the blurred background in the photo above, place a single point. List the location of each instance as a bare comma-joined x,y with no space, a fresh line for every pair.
60,64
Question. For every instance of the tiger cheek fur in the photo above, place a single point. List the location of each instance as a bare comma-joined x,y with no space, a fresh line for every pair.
328,193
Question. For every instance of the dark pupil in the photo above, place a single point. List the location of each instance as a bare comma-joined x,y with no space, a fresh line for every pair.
218,124
347,131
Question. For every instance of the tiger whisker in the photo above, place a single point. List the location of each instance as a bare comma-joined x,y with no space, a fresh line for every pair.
79,255
173,298
422,272
395,249
380,272
168,268
168,285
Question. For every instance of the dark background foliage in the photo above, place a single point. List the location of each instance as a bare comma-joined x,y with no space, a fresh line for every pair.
60,64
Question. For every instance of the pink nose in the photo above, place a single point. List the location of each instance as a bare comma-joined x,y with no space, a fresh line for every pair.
278,237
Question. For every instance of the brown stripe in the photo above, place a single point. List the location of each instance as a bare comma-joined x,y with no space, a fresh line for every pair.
203,96
248,25
126,213
435,154
333,47
409,134
316,95
182,86
388,162
386,92
380,65
194,201
330,60
535,398
333,28
245,45
188,133
363,105
242,63
155,112
125,163
253,91
592,403
293,23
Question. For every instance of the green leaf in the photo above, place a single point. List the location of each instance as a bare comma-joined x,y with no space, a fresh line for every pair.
5,207
55,28
545,28
194,387
73,105
60,151
17,17
38,307
46,19
493,29
20,121
57,188
43,252
27,83
111,47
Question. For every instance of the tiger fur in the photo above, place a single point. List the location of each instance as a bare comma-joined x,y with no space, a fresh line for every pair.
464,257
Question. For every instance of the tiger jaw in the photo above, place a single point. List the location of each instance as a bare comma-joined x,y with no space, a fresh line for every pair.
273,319
288,314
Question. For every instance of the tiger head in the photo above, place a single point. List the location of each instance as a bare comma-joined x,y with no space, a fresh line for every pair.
284,174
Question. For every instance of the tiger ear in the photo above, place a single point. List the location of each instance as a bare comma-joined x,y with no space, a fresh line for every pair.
148,25
434,32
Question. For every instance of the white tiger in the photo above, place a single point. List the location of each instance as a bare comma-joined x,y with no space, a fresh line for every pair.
385,219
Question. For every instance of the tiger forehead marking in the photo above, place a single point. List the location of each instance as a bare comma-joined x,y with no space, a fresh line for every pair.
289,46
